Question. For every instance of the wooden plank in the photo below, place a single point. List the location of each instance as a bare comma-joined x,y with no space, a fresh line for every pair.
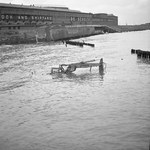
84,65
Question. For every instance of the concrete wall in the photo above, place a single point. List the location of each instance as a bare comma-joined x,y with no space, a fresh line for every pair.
58,33
33,35
22,36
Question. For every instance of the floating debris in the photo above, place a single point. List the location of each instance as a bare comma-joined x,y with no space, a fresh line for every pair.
79,43
69,68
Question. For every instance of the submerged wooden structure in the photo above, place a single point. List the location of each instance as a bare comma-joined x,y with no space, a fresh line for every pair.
79,43
69,68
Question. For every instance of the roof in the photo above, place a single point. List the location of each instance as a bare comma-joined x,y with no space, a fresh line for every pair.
64,9
52,6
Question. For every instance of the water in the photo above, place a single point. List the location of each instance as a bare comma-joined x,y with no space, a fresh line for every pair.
80,111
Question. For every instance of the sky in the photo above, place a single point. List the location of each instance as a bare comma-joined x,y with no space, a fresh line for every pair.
130,12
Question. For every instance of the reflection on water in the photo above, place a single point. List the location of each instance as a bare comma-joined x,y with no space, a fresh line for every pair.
77,77
142,60
82,110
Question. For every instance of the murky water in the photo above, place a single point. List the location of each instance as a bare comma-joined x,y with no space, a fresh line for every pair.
80,111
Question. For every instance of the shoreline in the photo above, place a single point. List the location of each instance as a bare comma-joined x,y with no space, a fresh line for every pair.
27,35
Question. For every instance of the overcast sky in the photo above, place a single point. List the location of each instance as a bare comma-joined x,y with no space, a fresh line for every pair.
128,11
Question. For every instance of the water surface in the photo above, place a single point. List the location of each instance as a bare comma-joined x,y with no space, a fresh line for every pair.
80,111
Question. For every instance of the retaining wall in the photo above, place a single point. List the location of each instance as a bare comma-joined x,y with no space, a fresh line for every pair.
60,33
47,33
22,36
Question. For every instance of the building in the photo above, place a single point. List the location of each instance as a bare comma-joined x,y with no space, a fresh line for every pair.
104,19
13,16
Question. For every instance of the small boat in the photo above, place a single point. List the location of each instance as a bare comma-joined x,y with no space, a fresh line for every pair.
69,68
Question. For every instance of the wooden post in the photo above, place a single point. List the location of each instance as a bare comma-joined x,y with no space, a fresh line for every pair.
133,51
101,66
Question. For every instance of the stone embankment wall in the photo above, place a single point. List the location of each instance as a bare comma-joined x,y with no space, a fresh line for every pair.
60,33
48,33
43,34
21,36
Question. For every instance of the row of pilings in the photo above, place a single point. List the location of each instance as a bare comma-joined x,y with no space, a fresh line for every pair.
141,53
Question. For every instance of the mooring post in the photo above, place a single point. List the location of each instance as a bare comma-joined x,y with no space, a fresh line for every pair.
133,51
101,66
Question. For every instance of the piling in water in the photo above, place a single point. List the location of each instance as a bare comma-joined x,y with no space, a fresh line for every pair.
133,51
101,66
141,53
